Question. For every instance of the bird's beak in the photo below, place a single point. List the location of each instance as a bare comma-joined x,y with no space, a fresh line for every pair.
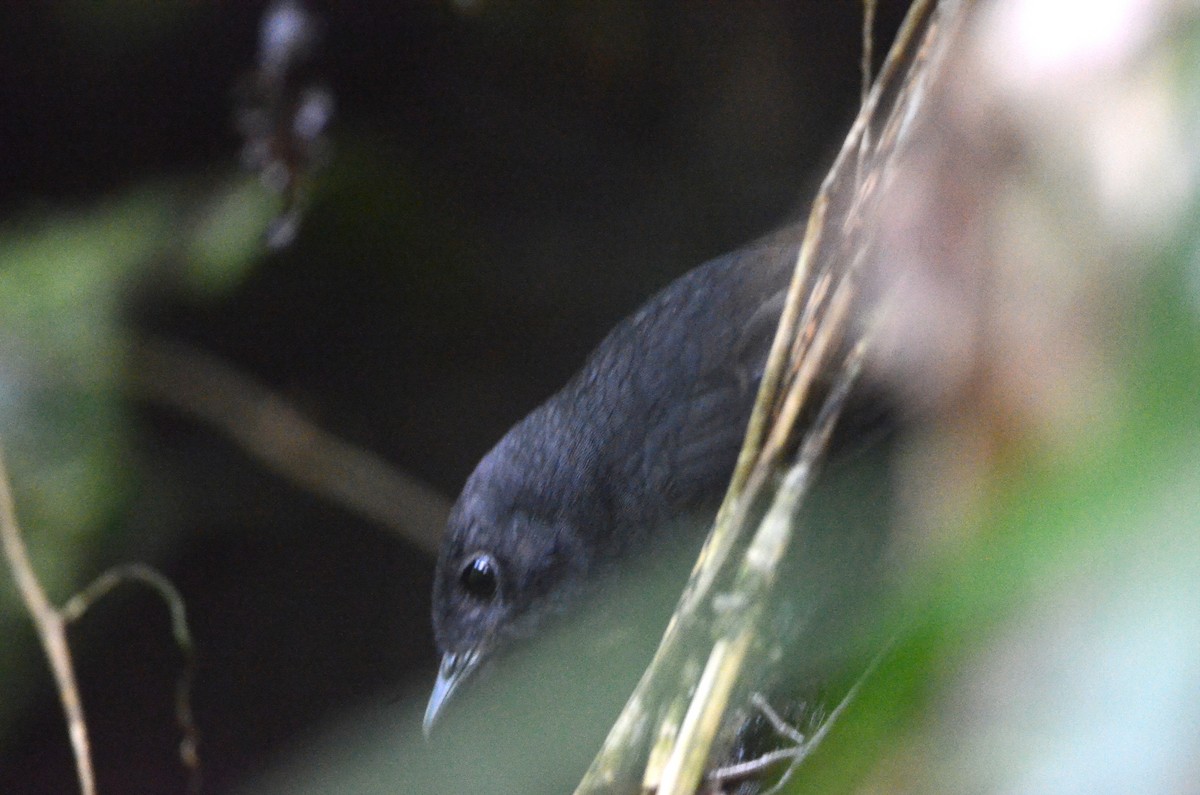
455,667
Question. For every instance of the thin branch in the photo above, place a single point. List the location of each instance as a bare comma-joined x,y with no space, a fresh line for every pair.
868,48
866,67
685,769
270,429
81,601
51,630
804,749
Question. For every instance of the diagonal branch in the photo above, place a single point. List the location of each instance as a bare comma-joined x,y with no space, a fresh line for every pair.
273,431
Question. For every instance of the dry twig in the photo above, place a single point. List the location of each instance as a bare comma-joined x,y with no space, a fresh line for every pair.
51,625
51,628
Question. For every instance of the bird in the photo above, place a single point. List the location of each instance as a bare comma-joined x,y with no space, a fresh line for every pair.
648,432
645,434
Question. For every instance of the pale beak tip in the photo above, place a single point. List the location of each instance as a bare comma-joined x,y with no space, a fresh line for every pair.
455,667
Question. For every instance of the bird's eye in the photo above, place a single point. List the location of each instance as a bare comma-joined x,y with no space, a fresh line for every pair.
479,578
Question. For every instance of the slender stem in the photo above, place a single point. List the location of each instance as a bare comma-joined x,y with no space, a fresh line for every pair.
685,768
866,66
51,630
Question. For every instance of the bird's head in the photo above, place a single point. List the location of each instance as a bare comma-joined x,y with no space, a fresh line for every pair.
507,565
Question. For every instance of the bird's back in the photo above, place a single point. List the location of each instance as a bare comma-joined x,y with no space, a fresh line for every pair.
650,427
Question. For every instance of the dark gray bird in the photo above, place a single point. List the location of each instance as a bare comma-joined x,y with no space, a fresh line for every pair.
646,433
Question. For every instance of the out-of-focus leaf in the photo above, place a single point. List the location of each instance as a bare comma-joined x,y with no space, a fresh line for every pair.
66,280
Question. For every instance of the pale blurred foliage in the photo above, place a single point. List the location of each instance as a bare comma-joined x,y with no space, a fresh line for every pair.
1054,502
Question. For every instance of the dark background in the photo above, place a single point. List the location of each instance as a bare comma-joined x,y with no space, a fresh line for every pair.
504,183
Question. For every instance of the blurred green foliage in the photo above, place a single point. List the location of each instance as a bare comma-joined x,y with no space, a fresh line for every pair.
67,279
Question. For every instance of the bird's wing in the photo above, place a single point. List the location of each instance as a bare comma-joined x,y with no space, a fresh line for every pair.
694,439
